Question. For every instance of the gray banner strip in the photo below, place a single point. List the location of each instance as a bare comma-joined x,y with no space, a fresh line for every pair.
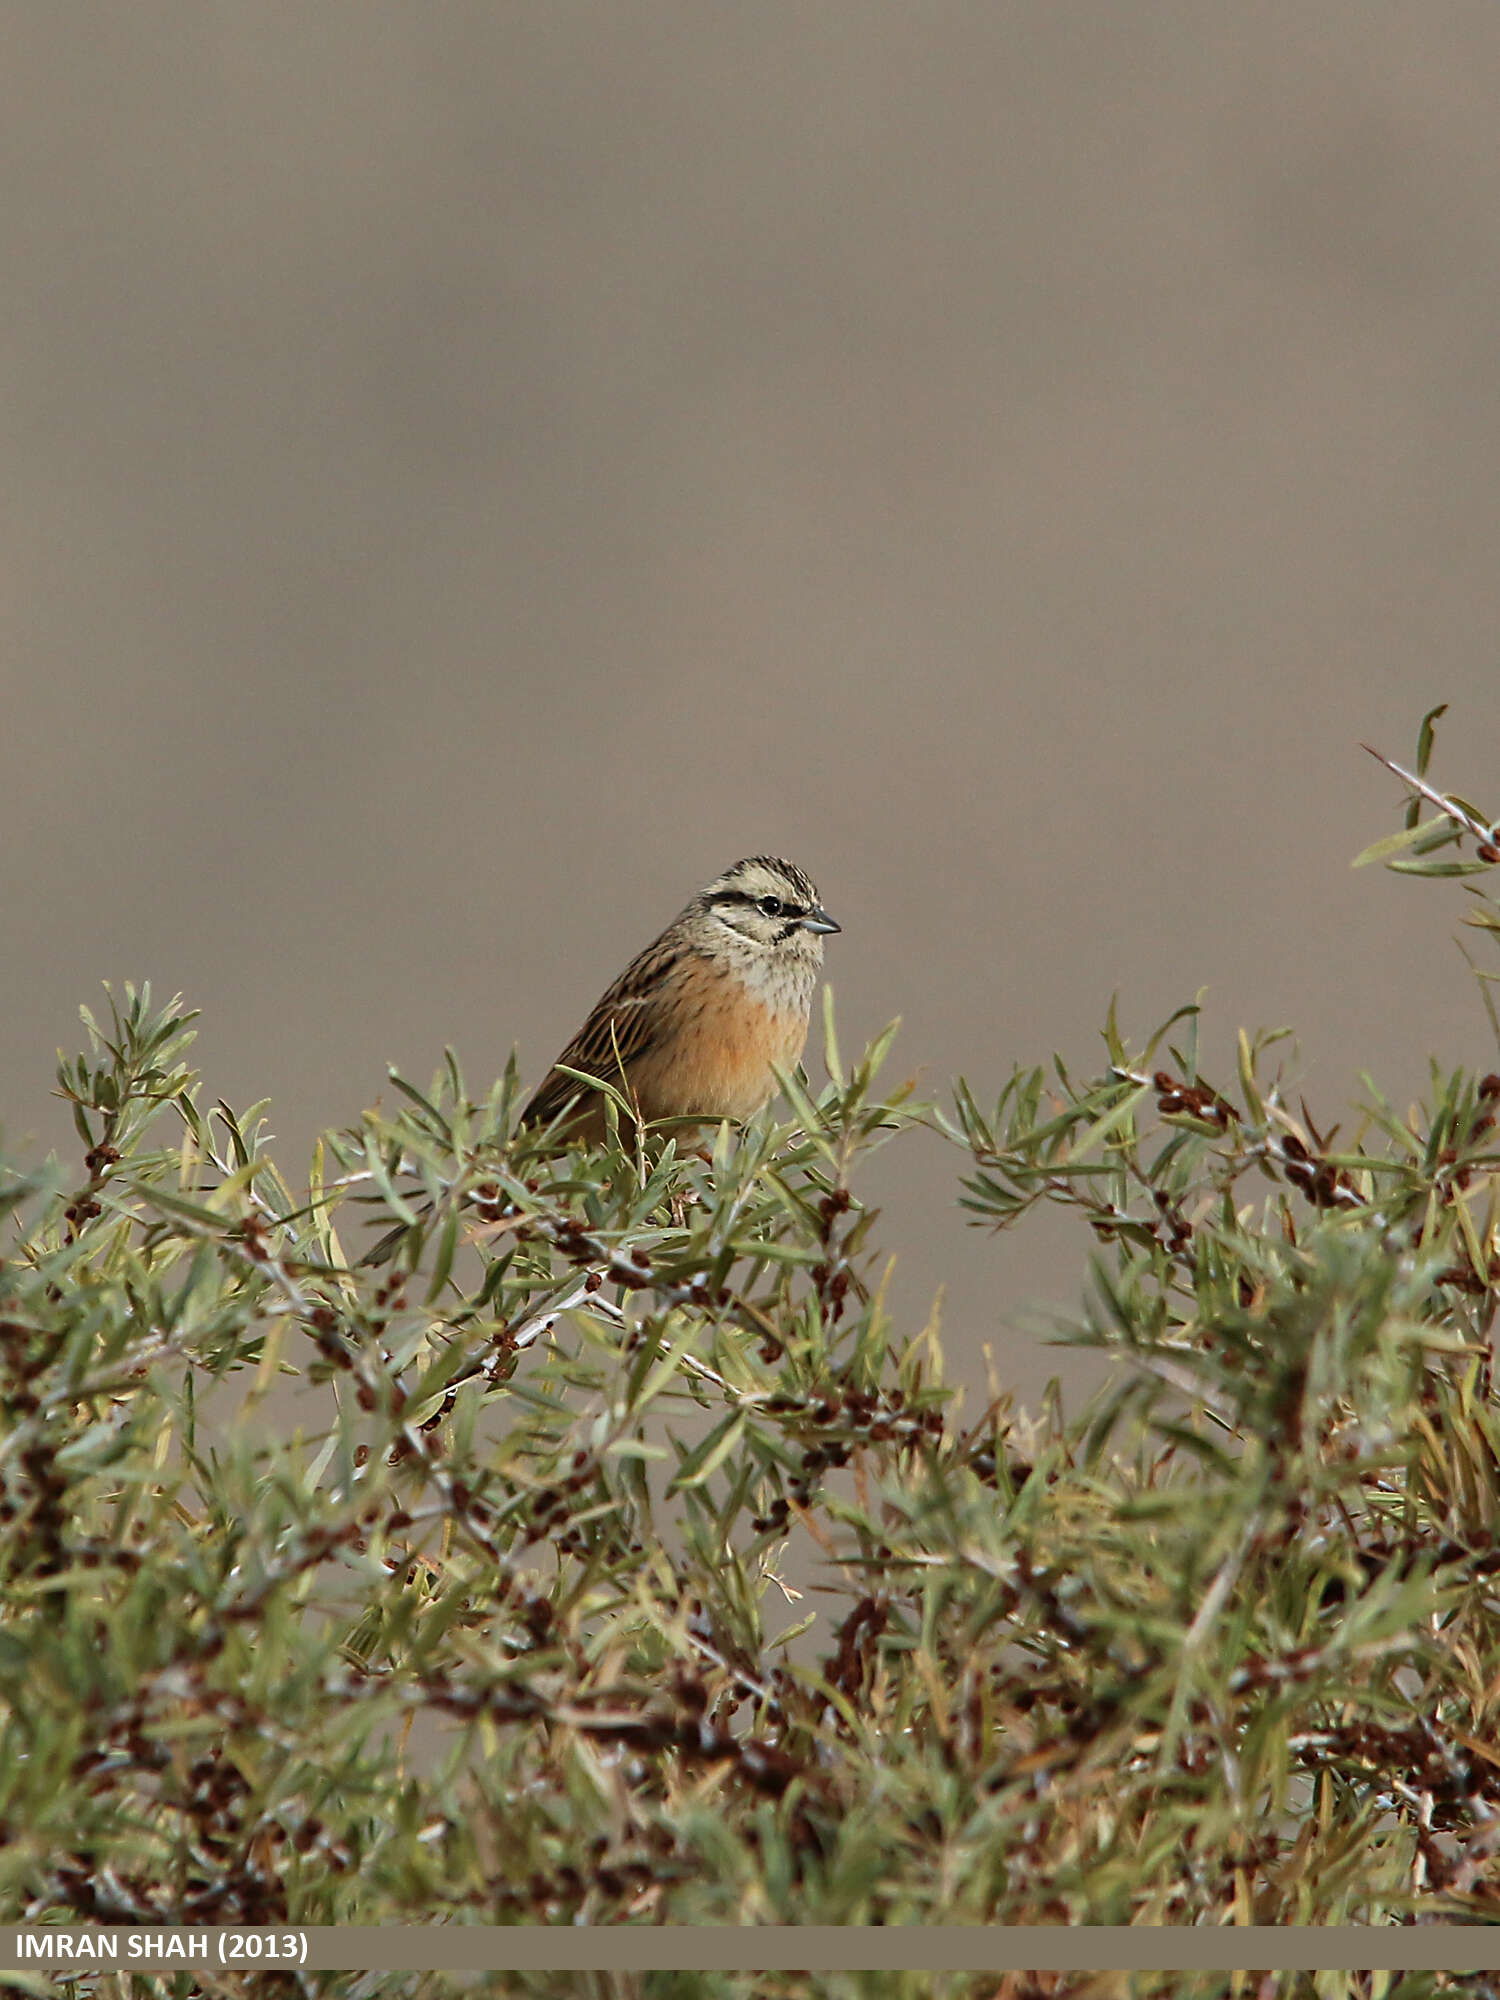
953,1948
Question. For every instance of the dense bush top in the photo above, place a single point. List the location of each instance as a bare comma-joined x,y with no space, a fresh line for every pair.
434,1542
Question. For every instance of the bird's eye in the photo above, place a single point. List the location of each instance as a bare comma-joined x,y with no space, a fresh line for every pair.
771,906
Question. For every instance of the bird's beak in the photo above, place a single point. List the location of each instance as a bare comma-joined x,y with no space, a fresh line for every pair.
819,922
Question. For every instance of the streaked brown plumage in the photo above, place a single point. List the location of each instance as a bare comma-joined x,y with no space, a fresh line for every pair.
692,1027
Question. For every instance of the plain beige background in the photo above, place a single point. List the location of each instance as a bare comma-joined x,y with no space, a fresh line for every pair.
470,472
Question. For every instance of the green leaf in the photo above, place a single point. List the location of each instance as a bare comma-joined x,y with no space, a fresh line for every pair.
1107,1122
1397,843
442,1263
830,1040
1447,868
705,1459
1425,736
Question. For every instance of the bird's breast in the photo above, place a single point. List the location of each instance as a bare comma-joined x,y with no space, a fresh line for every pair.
717,1061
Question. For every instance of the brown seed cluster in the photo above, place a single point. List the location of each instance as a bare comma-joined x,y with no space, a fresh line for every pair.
1176,1098
1324,1185
851,1419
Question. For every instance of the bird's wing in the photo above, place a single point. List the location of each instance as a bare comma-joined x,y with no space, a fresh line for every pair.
624,1026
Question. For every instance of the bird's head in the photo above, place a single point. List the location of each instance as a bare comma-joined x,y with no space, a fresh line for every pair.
771,907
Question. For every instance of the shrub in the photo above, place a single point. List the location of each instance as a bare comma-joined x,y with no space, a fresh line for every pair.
448,1579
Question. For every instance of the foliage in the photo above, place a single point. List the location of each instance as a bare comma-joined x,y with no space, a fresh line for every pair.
452,1581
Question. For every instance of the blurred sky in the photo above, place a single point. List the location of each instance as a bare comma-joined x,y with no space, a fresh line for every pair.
472,472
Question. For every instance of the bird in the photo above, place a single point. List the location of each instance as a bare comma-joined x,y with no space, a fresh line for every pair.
697,1023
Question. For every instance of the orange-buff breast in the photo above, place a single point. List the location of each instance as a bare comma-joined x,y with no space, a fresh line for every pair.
717,1063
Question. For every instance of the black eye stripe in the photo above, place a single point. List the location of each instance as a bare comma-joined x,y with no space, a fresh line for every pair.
768,905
